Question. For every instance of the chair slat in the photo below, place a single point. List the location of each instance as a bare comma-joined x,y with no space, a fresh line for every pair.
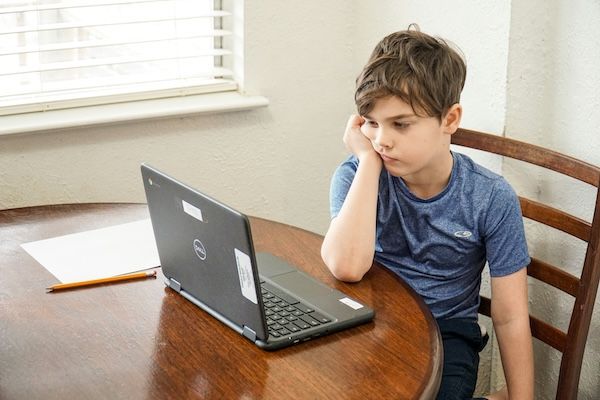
555,218
548,334
529,153
553,276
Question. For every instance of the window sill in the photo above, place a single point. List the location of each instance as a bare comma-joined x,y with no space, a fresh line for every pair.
130,111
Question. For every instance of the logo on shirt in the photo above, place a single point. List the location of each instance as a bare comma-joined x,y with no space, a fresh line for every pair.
463,234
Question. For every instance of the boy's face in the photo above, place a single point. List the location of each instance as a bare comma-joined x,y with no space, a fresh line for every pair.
412,147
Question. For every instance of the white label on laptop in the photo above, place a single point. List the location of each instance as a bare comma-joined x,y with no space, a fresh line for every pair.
244,266
351,303
192,210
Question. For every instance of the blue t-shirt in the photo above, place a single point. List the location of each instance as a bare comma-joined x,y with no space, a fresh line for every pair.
439,246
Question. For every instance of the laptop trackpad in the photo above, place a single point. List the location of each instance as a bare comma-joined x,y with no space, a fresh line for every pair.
303,286
270,265
290,278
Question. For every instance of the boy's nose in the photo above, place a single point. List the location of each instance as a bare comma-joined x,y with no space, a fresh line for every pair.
382,139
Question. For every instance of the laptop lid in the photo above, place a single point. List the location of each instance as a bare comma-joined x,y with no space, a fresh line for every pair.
197,239
207,255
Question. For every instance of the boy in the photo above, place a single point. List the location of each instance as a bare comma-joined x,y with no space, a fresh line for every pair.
430,215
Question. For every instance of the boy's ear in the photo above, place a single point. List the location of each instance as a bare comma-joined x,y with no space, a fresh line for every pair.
451,120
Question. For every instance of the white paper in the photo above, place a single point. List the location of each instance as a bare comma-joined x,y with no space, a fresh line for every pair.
99,253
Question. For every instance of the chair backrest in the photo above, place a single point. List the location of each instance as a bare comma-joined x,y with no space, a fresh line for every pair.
583,289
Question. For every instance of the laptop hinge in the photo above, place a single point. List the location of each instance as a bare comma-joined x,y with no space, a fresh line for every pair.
249,333
173,284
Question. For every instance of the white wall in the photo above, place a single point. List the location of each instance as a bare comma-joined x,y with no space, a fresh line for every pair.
273,162
553,101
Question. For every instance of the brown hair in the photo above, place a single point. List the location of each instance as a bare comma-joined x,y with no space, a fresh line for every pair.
422,70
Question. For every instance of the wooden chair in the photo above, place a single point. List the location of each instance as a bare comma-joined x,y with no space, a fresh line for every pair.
583,289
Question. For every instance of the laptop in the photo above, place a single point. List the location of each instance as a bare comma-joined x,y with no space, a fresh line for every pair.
207,256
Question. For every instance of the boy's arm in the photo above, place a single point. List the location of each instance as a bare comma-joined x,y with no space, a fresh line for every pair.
349,243
510,316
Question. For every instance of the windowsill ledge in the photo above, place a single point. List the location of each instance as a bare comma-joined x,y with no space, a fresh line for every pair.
128,112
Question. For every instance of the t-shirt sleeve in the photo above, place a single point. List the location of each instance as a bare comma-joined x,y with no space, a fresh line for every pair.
340,184
506,246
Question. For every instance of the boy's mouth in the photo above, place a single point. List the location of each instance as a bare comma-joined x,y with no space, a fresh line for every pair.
386,158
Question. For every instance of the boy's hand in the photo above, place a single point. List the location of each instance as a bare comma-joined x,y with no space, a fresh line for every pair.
356,142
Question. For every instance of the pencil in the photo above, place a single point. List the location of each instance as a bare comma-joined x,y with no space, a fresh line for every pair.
126,277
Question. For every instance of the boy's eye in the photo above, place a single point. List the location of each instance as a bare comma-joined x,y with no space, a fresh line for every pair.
371,124
401,125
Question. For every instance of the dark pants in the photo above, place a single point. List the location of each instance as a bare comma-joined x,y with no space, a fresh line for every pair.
462,343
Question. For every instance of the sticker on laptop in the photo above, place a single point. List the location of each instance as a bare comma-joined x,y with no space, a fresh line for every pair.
192,210
244,267
351,303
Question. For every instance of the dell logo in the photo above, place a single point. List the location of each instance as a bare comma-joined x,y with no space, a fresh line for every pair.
199,249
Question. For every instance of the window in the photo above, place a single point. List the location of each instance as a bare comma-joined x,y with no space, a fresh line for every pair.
65,53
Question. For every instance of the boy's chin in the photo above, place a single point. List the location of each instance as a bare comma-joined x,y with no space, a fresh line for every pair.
394,172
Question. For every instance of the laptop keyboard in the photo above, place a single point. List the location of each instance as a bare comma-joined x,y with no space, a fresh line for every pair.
286,314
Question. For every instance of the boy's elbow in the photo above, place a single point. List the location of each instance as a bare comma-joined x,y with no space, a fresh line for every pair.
343,269
347,276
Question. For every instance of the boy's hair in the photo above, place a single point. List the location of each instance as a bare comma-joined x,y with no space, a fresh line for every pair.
422,70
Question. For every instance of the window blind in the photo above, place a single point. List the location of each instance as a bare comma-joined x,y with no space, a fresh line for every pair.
58,54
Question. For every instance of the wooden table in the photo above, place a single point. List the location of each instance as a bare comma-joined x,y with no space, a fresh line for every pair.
140,340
